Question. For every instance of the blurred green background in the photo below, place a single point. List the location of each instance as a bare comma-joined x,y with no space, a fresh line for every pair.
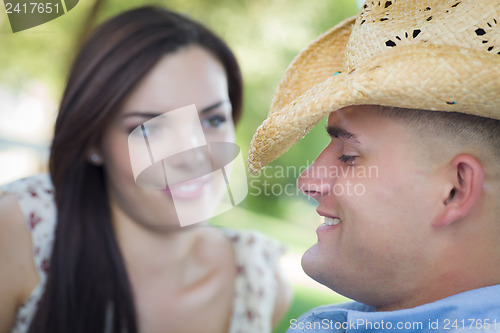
265,35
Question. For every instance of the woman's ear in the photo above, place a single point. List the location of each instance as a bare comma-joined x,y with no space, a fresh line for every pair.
94,157
466,176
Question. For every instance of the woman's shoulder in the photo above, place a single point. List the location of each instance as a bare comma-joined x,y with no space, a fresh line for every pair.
11,218
252,243
34,197
262,296
28,205
18,274
257,258
251,250
38,186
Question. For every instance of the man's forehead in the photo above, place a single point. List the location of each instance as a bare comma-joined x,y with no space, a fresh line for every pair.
353,113
360,121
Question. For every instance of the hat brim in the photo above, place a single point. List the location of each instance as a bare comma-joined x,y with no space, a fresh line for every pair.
314,64
419,76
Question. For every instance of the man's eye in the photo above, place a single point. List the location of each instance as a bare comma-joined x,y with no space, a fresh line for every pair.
214,121
347,159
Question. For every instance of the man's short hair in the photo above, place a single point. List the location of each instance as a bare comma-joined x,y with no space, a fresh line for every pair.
479,136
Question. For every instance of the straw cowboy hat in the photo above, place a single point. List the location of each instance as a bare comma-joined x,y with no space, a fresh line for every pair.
421,54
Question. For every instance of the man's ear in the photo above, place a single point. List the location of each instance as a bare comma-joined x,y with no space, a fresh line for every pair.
466,175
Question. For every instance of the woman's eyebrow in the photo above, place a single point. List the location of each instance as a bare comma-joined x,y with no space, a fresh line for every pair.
142,114
156,114
337,132
213,106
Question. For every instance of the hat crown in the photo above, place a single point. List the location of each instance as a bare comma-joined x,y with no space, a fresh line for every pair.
384,25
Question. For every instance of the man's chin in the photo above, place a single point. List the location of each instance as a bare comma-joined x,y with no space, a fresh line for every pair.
319,268
313,265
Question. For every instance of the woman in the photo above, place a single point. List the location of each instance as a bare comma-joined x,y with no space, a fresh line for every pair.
102,254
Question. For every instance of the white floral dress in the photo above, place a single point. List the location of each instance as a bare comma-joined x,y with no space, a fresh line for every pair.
257,259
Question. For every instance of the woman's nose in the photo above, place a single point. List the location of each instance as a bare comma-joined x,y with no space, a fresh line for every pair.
192,149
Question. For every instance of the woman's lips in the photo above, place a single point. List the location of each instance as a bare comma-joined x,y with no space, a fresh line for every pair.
189,190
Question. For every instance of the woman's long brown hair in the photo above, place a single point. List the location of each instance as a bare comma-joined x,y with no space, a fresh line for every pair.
87,288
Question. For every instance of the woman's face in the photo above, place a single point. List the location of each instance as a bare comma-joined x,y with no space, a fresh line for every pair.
178,188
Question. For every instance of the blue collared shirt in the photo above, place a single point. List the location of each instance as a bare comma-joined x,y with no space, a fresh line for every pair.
471,311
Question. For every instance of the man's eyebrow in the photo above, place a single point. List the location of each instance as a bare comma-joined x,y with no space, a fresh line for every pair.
156,114
337,132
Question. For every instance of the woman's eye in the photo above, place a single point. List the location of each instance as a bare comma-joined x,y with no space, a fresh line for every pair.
148,130
347,159
214,121
144,130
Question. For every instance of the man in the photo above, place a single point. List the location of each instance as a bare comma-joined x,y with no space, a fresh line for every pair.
410,197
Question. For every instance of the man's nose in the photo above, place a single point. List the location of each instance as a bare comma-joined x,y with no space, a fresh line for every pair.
317,180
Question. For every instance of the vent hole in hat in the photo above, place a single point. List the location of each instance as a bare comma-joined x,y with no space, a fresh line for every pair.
384,19
451,103
458,3
429,18
480,32
427,9
416,32
485,32
387,4
390,43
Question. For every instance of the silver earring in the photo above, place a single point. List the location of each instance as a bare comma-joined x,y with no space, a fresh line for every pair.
95,158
